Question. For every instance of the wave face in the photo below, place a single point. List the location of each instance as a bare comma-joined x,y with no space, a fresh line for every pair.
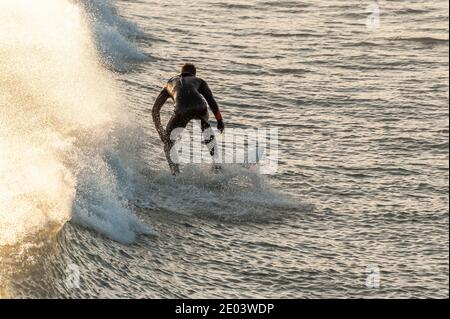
61,123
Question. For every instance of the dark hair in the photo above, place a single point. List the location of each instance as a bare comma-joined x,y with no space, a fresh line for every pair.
189,68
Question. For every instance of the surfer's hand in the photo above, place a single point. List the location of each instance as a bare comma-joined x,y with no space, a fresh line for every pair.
220,126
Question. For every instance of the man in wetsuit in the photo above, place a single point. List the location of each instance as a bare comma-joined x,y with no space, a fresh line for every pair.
191,96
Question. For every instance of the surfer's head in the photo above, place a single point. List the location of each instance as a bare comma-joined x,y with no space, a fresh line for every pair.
189,68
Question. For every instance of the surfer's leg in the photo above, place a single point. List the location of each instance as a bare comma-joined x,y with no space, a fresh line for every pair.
209,139
176,122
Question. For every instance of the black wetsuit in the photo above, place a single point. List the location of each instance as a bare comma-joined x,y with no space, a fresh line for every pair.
191,96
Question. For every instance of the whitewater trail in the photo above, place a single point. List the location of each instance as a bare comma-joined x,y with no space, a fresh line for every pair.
61,119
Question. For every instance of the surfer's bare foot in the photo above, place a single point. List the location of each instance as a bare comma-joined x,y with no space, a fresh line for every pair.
175,169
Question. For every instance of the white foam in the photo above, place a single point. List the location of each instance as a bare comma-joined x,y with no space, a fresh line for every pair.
234,192
112,34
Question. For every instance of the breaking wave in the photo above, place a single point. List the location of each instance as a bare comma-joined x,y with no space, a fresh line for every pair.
61,120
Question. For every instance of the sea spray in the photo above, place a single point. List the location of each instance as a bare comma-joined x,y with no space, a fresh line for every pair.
59,119
112,34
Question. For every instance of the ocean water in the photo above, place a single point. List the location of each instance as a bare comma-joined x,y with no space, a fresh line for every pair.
357,209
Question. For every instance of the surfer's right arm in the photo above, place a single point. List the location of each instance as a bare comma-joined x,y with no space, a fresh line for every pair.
159,103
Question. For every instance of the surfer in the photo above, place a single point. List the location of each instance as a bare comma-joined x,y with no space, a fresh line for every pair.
191,96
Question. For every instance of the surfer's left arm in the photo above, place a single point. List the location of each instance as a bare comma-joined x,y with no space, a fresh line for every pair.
159,103
209,97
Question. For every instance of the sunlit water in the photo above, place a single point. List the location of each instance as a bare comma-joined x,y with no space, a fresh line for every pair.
362,185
